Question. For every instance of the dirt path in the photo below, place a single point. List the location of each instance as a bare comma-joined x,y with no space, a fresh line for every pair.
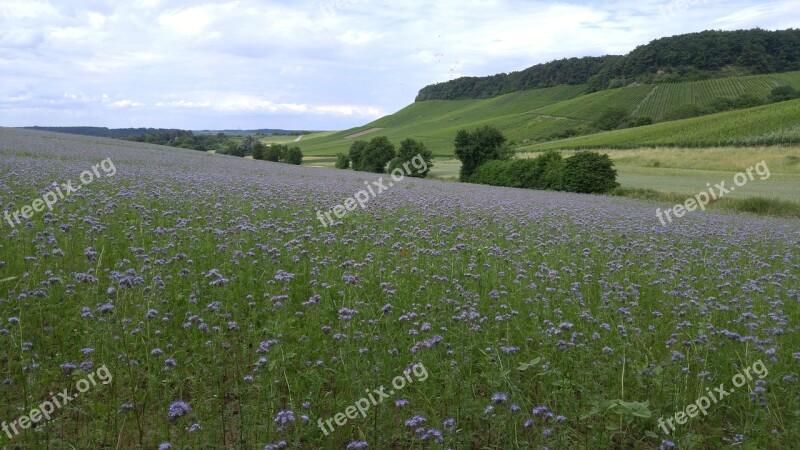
363,133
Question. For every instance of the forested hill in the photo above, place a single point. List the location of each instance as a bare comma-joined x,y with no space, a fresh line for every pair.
687,57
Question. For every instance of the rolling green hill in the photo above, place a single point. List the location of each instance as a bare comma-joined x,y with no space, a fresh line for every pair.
532,115
777,123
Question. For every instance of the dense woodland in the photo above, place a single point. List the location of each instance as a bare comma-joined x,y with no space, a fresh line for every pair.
688,57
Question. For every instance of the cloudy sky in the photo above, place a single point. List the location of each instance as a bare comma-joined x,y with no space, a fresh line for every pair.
316,64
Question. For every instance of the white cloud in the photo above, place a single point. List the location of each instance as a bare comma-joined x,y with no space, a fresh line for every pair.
191,21
126,104
317,64
26,9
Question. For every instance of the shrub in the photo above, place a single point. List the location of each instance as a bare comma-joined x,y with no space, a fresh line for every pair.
494,173
589,173
259,150
414,153
342,161
613,118
294,156
477,147
356,153
783,93
376,154
748,101
720,104
276,153
641,121
686,111
549,171
543,172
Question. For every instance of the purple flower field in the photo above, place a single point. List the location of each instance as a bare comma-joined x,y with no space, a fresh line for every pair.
230,317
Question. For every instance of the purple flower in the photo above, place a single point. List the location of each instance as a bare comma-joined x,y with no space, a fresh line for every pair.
178,409
401,403
280,275
68,367
415,421
499,397
666,444
347,314
283,418
125,407
356,445
434,435
165,446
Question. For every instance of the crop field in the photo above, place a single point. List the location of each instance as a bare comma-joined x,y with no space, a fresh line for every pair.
528,115
665,97
196,300
775,124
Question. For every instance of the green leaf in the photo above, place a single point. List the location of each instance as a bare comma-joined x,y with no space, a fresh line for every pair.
638,409
525,366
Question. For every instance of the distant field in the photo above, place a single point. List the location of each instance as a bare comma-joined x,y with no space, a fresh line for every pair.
533,114
675,170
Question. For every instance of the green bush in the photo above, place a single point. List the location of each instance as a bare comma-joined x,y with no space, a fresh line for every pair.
294,156
377,153
589,173
475,148
276,153
543,172
342,161
415,154
686,111
549,171
612,118
641,121
783,93
357,153
494,173
748,101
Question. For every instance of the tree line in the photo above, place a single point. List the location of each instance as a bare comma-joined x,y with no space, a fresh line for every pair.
687,57
379,155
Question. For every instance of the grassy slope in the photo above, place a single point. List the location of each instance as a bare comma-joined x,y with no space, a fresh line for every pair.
764,125
533,114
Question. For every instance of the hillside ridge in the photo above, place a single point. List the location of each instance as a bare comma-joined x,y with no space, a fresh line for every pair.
686,57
